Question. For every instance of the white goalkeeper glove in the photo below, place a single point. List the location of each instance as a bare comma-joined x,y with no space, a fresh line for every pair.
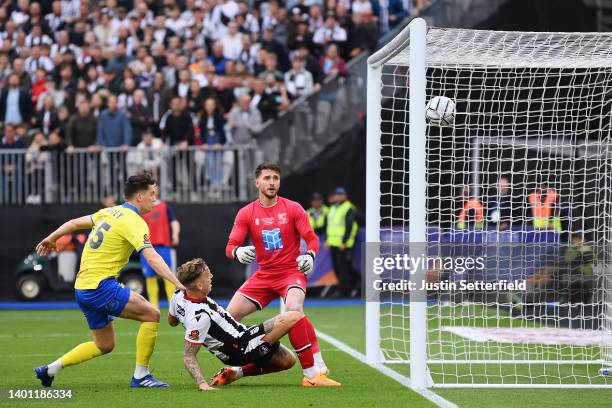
245,254
306,262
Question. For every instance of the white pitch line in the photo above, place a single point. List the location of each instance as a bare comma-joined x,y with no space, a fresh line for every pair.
405,381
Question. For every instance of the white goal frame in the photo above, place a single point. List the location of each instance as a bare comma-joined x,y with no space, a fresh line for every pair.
413,36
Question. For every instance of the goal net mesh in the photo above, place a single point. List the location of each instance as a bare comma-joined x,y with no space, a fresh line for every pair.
522,179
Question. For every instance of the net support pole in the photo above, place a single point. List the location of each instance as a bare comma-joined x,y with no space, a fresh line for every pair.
417,202
373,146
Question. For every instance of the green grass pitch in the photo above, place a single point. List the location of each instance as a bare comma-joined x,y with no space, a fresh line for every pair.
30,338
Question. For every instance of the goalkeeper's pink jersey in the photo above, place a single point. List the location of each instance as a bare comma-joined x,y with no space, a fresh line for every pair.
275,232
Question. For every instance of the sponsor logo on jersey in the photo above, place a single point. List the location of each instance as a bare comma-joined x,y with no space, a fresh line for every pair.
272,239
263,349
146,239
194,334
180,310
282,218
254,330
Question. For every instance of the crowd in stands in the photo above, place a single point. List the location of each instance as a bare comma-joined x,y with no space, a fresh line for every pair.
94,74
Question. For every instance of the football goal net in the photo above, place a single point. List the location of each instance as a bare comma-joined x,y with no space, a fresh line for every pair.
515,173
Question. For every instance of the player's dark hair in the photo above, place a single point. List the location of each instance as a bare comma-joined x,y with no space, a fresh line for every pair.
188,272
138,183
267,166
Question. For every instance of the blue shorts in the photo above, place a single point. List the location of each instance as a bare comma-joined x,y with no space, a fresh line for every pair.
167,254
101,305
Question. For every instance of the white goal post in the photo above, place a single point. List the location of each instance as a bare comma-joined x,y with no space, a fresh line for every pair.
522,178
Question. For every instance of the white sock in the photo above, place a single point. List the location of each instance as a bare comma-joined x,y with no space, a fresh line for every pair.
239,374
318,358
311,372
140,371
54,367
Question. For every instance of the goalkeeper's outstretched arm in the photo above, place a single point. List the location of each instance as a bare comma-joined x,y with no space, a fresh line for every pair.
193,366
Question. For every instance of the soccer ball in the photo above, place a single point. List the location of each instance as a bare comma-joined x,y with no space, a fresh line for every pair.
440,110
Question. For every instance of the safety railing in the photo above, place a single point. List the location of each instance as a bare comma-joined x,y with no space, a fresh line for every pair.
197,174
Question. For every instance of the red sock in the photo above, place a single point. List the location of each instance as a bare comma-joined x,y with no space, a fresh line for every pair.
313,337
251,369
298,336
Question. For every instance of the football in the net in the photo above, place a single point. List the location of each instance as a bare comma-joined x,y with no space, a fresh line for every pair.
440,110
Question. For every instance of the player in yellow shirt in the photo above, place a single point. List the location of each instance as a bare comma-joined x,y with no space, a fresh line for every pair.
115,233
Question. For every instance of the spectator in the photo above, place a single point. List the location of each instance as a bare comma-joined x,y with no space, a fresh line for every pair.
176,125
148,155
244,121
361,7
232,42
218,58
82,128
58,95
312,65
333,66
140,116
271,63
269,98
35,164
331,32
212,128
46,119
397,12
159,97
298,81
114,127
363,35
272,45
15,104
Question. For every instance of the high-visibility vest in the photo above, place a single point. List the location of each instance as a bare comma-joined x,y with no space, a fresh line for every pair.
317,216
471,204
336,220
543,217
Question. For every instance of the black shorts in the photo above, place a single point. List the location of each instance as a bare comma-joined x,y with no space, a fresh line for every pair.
250,348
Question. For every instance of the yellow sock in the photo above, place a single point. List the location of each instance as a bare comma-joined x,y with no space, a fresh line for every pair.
170,288
153,291
145,342
80,354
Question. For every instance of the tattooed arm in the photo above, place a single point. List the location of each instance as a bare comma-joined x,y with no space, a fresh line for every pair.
193,366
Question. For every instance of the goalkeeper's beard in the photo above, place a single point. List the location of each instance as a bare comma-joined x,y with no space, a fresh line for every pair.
270,196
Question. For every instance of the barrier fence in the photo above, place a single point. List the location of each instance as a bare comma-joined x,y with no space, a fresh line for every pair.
193,175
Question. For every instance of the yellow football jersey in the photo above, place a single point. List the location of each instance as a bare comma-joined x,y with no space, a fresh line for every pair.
116,233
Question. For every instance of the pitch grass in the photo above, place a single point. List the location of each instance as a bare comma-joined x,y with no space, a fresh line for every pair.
30,338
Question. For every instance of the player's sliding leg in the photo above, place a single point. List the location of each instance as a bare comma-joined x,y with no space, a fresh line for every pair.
139,309
275,328
240,306
104,342
294,300
153,290
283,359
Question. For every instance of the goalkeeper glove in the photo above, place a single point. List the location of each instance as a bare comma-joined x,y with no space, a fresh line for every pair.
245,254
306,262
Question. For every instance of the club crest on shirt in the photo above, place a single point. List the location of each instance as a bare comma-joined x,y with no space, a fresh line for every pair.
282,218
180,310
194,334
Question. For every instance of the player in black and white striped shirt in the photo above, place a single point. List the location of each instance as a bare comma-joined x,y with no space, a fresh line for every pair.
248,351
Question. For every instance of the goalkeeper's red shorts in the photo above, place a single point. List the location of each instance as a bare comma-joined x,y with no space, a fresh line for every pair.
263,287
